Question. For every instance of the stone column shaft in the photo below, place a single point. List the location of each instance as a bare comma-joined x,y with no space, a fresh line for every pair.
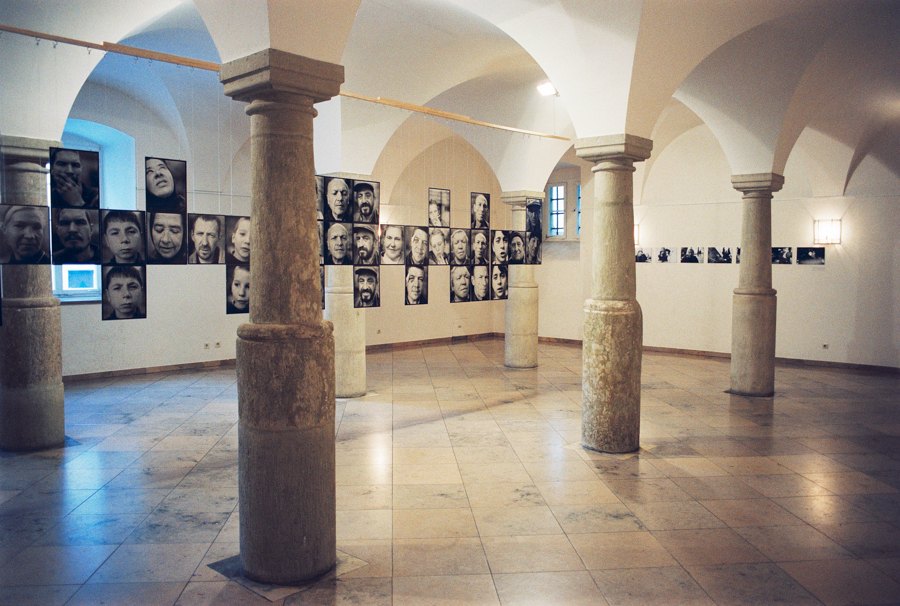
613,325
521,329
285,355
32,411
754,304
349,332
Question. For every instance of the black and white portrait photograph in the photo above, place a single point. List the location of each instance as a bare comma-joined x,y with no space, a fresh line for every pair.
415,284
533,247
320,197
393,246
814,255
438,207
207,239
460,254
365,244
237,289
338,199
416,238
691,254
438,246
481,211
534,209
166,182
499,247
480,247
24,235
237,240
76,236
499,282
664,255
715,254
122,237
366,287
338,243
516,247
124,296
641,256
460,283
366,201
481,283
74,178
782,255
166,244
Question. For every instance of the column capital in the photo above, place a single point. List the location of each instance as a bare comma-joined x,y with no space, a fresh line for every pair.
521,198
614,147
757,183
274,73
25,148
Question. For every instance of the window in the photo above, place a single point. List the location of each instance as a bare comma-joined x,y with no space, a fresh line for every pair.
76,282
578,210
557,223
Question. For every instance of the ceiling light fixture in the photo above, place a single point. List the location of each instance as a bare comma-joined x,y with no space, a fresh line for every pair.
547,89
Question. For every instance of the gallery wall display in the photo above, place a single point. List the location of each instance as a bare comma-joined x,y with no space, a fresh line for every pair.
24,235
416,285
480,210
812,255
76,236
74,178
166,185
124,295
640,256
782,255
206,241
366,287
237,289
664,254
692,254
715,254
122,237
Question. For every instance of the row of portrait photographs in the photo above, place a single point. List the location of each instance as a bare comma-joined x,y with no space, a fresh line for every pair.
479,283
439,209
74,178
781,255
347,200
363,244
120,237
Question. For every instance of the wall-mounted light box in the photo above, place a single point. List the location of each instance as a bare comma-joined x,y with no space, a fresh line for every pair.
827,231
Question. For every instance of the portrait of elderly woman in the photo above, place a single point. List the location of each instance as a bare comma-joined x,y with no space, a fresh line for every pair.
166,181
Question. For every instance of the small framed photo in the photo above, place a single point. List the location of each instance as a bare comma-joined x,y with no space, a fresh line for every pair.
719,254
416,284
480,249
237,289
74,178
460,253
782,255
438,207
460,283
124,294
166,185
813,255
416,239
338,243
393,247
365,244
76,236
206,241
366,287
237,240
691,254
517,247
641,256
481,210
664,255
438,245
166,243
366,201
533,240
499,247
481,283
338,202
499,282
24,235
122,237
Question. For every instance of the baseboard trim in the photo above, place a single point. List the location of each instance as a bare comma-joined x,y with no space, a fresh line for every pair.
149,370
438,341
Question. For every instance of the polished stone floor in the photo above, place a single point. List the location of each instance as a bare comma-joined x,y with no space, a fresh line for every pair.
463,482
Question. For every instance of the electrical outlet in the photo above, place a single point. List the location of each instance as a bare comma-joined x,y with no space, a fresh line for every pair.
378,332
206,346
824,345
218,344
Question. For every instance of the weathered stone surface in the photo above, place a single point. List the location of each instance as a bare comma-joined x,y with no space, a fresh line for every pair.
349,333
285,355
32,411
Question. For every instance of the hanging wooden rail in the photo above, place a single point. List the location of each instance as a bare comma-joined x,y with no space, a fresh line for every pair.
133,51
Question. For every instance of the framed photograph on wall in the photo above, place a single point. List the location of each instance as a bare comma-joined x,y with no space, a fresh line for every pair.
717,254
366,287
499,247
481,247
691,254
481,210
416,239
166,185
641,256
74,178
813,255
438,245
76,236
460,283
24,235
365,244
499,282
481,283
393,247
782,255
237,289
237,240
460,253
366,201
517,247
438,207
338,243
415,285
664,254
124,294
338,202
206,241
122,239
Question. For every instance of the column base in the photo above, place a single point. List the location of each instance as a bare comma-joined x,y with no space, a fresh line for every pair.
611,376
286,456
32,417
521,334
753,344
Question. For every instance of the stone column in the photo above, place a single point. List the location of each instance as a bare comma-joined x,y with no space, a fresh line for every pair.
754,302
613,324
32,411
521,340
349,332
285,354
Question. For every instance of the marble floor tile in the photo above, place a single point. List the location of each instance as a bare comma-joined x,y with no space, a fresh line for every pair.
708,547
338,591
433,523
646,490
377,554
600,517
378,496
426,474
671,586
542,588
531,553
825,510
129,594
467,590
844,582
674,515
154,563
372,524
760,584
430,496
45,595
784,485
92,529
54,564
432,557
866,540
602,551
793,543
576,493
515,521
504,494
750,512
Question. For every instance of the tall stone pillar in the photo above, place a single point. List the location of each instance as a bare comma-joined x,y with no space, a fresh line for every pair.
349,332
521,338
32,411
285,354
613,324
754,302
